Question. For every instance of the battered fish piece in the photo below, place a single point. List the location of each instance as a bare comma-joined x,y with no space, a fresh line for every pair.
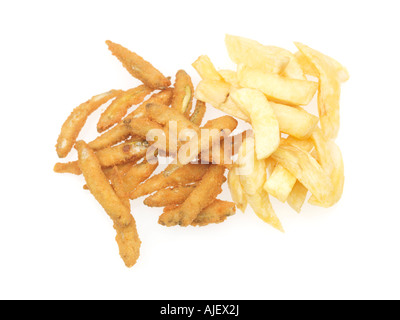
183,93
137,174
68,167
138,67
216,212
163,115
198,114
77,119
182,176
119,107
201,197
130,150
99,185
121,132
217,129
169,196
128,242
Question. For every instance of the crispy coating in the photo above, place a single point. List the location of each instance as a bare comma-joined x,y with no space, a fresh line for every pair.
183,93
169,196
120,132
163,115
138,67
77,119
217,129
198,113
119,107
182,176
141,126
68,167
130,150
116,179
202,196
99,186
216,212
137,174
228,147
128,242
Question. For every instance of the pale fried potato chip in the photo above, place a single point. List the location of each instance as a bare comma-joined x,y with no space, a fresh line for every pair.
214,92
308,68
230,77
278,88
280,183
252,175
254,54
263,119
230,107
331,160
306,169
293,69
297,196
328,91
237,193
294,121
206,69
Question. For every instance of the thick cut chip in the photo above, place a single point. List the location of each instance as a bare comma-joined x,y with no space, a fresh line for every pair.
119,107
230,77
278,88
183,93
138,67
206,69
77,119
280,183
252,174
306,169
328,91
297,196
309,68
263,120
213,92
230,107
294,121
330,158
237,193
255,55
100,187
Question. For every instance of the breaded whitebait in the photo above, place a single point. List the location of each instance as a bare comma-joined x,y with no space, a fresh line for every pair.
202,196
119,107
99,185
77,119
138,67
182,176
183,93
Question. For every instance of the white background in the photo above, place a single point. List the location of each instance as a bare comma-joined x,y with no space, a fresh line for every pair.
56,242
